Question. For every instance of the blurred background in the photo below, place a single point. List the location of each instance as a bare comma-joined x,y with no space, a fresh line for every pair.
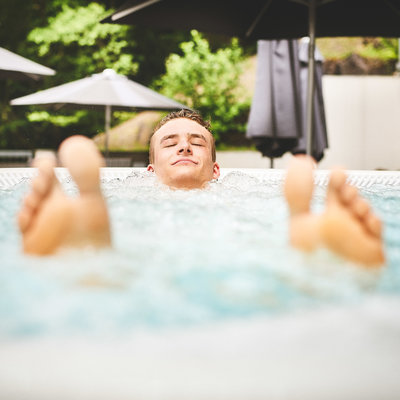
210,73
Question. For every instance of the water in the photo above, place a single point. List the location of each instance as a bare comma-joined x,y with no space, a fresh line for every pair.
183,258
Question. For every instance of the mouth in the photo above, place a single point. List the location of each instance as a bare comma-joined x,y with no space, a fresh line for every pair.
183,161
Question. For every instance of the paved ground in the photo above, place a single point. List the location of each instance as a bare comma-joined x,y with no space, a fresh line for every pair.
248,159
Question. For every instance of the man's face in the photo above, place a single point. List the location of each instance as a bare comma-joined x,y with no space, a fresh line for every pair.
182,155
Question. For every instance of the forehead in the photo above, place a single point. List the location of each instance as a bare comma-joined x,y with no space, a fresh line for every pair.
181,126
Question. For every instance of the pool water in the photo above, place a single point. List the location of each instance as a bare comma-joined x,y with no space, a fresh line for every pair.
183,258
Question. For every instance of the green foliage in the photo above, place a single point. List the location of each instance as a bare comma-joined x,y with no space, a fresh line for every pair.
78,45
76,36
70,40
384,49
59,120
208,82
380,48
68,37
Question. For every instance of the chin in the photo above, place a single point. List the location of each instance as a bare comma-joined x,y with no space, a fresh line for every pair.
187,181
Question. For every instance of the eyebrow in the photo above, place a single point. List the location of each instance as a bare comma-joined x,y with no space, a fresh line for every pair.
191,136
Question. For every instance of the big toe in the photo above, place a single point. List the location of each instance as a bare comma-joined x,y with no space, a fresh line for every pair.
299,184
83,160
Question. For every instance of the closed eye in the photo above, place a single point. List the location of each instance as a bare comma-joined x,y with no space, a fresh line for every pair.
198,143
169,143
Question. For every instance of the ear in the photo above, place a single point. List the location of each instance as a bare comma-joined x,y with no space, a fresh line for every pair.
150,168
216,172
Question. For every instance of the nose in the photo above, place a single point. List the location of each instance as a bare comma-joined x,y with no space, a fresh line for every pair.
184,147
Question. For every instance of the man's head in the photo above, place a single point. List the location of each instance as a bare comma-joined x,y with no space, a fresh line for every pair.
182,151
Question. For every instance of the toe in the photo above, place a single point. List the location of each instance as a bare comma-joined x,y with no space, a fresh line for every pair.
40,186
374,225
337,181
348,194
24,218
337,178
46,178
31,201
360,207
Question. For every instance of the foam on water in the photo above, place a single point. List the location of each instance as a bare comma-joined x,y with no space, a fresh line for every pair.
182,257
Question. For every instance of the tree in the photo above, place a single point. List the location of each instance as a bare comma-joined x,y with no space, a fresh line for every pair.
208,82
85,46
70,40
68,37
17,18
79,45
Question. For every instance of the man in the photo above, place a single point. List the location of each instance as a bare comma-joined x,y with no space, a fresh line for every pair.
182,155
182,151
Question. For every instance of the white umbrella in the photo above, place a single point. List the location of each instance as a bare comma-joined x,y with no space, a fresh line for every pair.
107,89
16,67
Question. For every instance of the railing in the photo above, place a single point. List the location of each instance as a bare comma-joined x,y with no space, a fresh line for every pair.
15,158
127,159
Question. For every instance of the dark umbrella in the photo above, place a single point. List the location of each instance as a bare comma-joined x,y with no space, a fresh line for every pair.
14,66
275,120
265,19
320,137
104,91
270,19
278,110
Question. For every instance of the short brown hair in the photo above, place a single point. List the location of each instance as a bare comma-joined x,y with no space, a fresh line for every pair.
189,114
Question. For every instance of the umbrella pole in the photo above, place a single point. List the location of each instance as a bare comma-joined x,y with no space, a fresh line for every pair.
311,73
107,127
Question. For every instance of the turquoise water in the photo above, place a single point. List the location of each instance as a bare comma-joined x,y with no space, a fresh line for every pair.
183,258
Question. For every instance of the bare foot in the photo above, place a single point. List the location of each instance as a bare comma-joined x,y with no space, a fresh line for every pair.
347,226
49,220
